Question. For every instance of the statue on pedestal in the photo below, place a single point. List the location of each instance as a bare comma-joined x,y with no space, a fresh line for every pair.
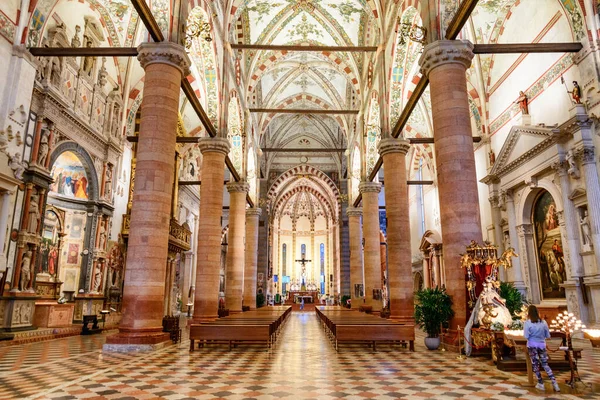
44,148
34,213
523,103
25,277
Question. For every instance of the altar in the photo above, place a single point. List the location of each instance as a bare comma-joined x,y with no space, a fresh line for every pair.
309,296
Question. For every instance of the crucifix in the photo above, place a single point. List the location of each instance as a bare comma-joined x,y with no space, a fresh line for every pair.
303,261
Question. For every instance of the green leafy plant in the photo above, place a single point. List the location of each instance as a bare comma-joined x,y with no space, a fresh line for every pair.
344,300
514,298
260,300
433,307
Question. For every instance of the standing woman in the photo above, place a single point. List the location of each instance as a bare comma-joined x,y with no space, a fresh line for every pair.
536,332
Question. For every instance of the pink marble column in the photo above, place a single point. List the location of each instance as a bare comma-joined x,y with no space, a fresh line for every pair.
399,254
208,264
143,296
251,257
234,263
356,254
445,63
370,199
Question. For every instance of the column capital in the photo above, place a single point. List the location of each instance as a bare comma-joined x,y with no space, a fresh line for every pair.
219,145
253,212
393,145
164,53
365,187
560,166
233,187
354,211
446,52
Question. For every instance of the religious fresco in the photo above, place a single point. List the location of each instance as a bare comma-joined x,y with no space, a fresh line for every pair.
73,253
49,251
70,178
549,248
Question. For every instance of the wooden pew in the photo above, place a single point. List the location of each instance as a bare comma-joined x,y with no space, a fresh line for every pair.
256,326
345,326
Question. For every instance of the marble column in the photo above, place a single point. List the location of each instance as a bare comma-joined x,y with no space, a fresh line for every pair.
393,152
143,296
445,63
498,234
372,253
251,256
515,274
208,262
356,254
234,263
592,186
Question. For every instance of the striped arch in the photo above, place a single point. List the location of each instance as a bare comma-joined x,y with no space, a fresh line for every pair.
237,7
270,59
290,174
288,102
305,188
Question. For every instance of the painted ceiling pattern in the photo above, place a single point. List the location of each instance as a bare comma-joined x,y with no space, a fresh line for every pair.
320,80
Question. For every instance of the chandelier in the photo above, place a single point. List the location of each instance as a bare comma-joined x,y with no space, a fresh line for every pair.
416,33
197,29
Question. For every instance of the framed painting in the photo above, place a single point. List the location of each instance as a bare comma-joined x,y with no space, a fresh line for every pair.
73,254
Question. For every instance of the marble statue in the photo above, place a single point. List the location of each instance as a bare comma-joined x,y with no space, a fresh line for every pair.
34,213
98,277
573,168
16,165
75,41
102,74
88,62
25,271
108,182
585,228
102,240
44,149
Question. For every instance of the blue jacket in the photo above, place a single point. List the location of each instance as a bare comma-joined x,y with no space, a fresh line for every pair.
536,333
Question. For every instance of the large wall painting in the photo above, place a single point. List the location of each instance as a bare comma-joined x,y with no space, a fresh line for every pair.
49,246
70,179
549,248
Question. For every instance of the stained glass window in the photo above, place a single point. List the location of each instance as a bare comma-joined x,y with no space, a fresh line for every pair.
283,260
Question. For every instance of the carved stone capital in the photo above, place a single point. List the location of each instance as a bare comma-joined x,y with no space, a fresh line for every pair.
164,53
219,145
445,52
366,187
233,187
561,167
254,211
354,211
587,155
494,201
391,145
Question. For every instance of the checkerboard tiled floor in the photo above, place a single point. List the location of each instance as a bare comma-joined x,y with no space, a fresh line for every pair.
303,364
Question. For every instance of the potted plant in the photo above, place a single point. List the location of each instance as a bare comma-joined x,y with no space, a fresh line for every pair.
433,307
514,298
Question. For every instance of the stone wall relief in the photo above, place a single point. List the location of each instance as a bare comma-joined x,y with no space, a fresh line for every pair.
22,313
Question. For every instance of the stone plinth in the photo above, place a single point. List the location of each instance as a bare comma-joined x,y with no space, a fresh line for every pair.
206,299
50,314
445,63
372,253
18,313
399,257
143,296
234,263
251,257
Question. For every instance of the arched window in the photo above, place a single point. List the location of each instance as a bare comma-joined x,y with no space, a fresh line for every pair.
373,134
303,251
283,260
234,133
322,260
420,199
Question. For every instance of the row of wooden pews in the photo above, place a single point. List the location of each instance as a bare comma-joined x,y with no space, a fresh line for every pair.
349,326
258,326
